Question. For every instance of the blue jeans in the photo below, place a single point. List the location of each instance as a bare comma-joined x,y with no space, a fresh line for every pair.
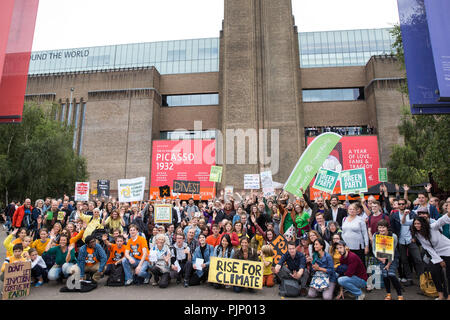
127,269
353,284
55,271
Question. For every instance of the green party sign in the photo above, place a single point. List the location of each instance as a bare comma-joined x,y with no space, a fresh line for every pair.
353,181
382,175
215,174
310,162
326,180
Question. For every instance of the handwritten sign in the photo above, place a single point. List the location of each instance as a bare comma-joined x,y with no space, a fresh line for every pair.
17,280
234,272
181,186
384,246
163,213
279,246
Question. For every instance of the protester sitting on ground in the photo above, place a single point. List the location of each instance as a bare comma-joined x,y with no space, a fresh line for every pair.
203,251
245,253
91,259
116,252
323,277
181,263
64,258
438,248
295,267
17,256
355,277
38,268
135,254
41,243
388,267
313,236
159,263
223,250
266,257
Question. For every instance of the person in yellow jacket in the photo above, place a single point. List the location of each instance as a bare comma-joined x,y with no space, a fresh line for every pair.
15,257
9,243
93,222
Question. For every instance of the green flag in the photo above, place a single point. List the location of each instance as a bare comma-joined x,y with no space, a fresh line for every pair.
310,162
215,174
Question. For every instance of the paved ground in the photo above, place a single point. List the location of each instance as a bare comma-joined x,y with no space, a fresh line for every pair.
50,291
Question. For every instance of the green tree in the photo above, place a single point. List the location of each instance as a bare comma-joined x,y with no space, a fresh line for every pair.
36,156
426,141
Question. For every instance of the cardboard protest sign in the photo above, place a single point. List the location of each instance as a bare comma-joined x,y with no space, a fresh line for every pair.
267,183
353,181
103,187
382,175
241,273
228,192
131,189
81,191
310,162
216,174
17,280
251,182
181,186
163,213
279,245
326,180
384,246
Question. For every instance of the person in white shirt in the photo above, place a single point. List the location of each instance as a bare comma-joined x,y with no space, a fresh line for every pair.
38,267
438,247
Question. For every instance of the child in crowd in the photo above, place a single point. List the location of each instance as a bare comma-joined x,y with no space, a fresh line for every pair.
16,257
267,258
38,267
41,243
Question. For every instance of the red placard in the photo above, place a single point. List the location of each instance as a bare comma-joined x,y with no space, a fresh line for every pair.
188,160
17,22
352,152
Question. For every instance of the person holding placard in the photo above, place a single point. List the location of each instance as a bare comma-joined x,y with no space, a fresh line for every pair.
223,250
245,253
201,259
17,256
388,266
135,254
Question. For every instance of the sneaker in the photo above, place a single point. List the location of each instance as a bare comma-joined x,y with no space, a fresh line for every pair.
38,284
178,281
96,277
154,283
146,280
186,283
403,280
388,297
129,282
361,297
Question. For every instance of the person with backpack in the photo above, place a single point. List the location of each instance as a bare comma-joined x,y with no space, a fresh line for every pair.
388,266
292,266
438,248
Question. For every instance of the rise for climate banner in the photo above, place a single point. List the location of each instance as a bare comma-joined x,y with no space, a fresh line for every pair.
186,160
351,152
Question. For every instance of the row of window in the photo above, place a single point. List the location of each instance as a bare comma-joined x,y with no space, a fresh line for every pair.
347,94
190,100
343,131
75,117
187,134
317,49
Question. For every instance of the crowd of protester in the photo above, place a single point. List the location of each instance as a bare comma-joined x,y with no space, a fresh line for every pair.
330,243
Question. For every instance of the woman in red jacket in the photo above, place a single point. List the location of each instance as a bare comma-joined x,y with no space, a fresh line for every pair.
228,229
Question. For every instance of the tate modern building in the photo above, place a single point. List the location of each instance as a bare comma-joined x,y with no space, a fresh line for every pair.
260,73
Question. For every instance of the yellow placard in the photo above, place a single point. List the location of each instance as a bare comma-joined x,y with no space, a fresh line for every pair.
234,272
384,246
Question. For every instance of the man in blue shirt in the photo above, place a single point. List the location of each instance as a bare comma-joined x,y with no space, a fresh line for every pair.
292,266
